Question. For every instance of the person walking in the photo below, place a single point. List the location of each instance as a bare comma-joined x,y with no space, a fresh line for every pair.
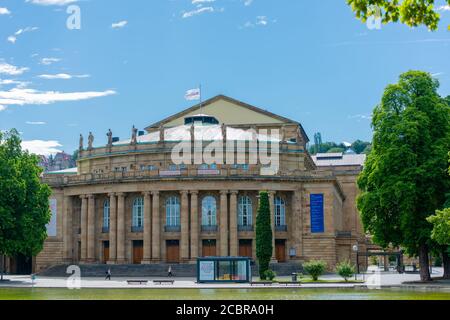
108,275
169,272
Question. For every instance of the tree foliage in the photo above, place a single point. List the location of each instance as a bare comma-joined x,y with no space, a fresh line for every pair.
24,200
263,234
441,226
315,268
405,176
413,13
345,269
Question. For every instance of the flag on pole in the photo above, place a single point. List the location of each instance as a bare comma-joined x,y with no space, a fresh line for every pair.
193,94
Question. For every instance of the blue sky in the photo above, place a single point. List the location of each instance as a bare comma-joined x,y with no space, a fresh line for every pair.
132,61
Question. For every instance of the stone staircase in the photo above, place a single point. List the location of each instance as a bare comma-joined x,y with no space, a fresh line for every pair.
155,270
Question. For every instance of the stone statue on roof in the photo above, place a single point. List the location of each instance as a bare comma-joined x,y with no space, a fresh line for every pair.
283,136
80,148
161,134
90,141
299,135
134,135
224,132
109,135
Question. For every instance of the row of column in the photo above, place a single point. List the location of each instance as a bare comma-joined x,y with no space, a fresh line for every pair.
228,230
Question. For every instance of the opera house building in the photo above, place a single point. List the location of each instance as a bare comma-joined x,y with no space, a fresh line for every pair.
188,187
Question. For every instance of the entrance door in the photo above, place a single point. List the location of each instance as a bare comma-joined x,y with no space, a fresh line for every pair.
138,251
105,251
173,251
280,250
245,248
209,248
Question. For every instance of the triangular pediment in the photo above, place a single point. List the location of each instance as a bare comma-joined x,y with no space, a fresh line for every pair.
226,110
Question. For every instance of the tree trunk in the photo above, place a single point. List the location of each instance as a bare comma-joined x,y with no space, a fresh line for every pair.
446,263
2,267
424,263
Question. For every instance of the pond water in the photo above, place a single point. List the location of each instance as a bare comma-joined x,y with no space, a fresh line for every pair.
216,294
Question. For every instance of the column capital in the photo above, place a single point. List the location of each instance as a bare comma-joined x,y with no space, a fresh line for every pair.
83,196
91,196
155,193
147,193
271,193
184,192
234,192
224,192
112,194
193,192
120,194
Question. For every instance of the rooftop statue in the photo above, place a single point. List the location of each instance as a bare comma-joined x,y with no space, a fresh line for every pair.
90,141
109,135
161,134
134,135
224,132
80,148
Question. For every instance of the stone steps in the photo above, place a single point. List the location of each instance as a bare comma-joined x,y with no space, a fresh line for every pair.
155,270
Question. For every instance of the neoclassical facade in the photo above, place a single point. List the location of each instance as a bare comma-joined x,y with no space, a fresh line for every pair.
188,186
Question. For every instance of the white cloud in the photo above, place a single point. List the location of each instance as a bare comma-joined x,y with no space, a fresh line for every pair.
437,74
4,11
49,61
36,123
248,2
41,147
6,68
360,117
62,76
2,108
21,96
19,84
119,24
52,2
202,1
13,38
197,12
444,8
260,21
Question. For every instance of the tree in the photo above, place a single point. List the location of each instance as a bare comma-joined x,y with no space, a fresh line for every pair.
359,146
336,150
413,13
345,269
263,234
405,175
315,268
24,200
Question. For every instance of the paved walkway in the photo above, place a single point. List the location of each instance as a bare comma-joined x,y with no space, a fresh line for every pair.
372,280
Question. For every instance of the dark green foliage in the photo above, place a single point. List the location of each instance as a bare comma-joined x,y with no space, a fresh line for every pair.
269,275
263,234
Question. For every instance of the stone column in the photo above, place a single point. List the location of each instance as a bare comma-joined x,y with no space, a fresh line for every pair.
83,227
156,228
194,225
91,229
68,230
223,223
147,228
184,215
296,229
272,220
112,228
234,251
121,228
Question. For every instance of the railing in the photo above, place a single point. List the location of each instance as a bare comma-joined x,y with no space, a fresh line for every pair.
281,228
209,228
245,228
172,228
137,229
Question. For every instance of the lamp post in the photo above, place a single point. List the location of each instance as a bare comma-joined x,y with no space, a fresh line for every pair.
355,249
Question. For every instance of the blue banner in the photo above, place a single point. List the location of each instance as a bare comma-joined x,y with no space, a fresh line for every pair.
317,213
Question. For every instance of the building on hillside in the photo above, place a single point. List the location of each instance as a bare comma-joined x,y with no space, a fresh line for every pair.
133,201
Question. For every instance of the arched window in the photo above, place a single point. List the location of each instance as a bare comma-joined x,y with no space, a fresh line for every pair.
138,213
106,214
280,212
173,212
209,211
245,211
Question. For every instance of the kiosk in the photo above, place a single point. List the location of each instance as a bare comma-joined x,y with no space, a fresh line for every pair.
224,270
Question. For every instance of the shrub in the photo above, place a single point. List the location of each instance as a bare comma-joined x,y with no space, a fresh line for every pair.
270,275
315,268
345,269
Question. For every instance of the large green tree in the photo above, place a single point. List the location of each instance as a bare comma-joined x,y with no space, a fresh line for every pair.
24,200
410,12
405,176
263,234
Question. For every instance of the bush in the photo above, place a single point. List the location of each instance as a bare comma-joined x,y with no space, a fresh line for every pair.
315,268
269,275
345,269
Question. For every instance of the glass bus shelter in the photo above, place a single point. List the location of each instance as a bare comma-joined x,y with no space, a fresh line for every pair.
224,270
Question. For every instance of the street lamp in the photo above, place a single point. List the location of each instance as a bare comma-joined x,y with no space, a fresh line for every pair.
355,249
